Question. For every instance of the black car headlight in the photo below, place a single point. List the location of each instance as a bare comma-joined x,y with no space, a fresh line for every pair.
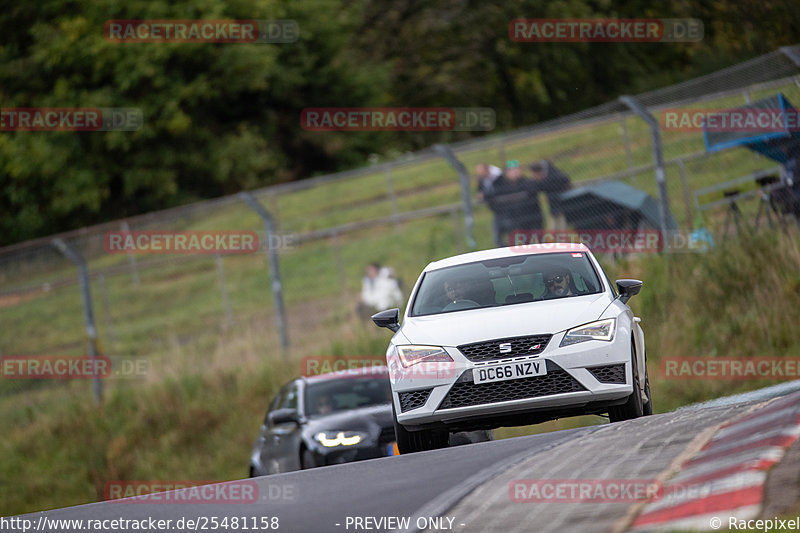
334,439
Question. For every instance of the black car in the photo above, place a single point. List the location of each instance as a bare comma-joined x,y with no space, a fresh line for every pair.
329,419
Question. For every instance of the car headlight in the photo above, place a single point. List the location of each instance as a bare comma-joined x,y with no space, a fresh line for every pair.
602,330
411,355
332,439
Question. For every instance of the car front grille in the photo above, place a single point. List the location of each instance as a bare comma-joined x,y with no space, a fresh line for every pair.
465,393
609,373
413,399
519,346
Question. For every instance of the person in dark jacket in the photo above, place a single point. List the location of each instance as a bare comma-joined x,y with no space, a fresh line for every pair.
486,174
553,182
515,202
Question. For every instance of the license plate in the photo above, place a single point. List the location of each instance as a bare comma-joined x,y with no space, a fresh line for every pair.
524,369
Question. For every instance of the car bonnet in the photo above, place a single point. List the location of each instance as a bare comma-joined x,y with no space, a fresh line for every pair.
464,327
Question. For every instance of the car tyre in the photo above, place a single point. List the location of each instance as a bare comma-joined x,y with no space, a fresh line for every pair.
401,435
634,407
307,459
418,441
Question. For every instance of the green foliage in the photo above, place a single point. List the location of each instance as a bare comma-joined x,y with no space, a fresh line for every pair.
219,118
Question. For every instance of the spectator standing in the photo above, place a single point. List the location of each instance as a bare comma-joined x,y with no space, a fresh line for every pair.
487,174
380,290
553,182
514,200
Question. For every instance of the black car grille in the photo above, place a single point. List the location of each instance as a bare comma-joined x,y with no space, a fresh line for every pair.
490,350
413,399
609,373
465,393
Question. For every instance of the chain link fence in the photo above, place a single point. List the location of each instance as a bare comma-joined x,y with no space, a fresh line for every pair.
403,213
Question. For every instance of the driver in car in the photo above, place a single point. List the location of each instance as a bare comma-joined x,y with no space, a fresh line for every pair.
456,289
324,404
558,284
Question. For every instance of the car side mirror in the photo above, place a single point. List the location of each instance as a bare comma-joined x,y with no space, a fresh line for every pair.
388,319
628,288
283,416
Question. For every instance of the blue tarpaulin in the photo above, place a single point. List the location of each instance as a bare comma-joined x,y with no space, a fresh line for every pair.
775,139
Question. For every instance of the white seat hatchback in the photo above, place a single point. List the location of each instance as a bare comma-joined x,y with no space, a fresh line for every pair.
513,336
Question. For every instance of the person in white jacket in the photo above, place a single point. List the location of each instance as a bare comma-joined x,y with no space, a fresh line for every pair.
380,290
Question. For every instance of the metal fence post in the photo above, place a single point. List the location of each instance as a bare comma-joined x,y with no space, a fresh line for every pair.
457,230
131,258
466,197
107,309
791,53
687,195
628,152
274,267
658,159
88,310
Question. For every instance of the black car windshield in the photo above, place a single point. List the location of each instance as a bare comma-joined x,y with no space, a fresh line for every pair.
505,281
332,395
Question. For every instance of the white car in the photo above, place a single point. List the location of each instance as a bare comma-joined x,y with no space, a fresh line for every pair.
513,336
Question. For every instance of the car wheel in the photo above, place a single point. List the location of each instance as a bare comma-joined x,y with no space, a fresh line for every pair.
418,441
633,408
401,435
307,459
428,439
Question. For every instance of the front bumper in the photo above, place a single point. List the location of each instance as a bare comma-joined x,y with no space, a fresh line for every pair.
370,449
583,378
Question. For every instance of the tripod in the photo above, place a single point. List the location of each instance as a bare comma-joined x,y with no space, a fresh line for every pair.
734,213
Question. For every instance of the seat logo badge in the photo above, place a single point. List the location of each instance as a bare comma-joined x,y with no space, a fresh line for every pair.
505,347
536,347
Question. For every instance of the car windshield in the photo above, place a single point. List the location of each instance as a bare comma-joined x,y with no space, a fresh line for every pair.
505,281
328,396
